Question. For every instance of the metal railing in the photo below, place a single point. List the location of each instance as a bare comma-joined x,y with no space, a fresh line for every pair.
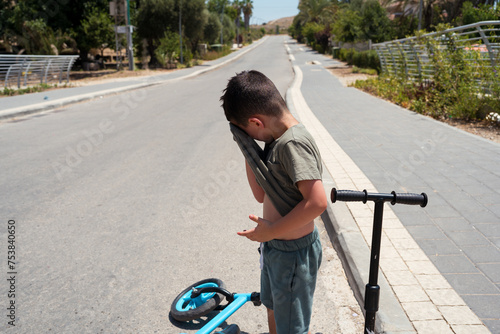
25,70
412,56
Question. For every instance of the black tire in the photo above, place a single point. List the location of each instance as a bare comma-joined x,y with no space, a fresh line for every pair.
183,314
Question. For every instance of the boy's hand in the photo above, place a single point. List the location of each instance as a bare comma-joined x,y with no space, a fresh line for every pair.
261,232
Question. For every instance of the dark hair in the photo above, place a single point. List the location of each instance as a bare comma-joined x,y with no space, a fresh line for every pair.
249,93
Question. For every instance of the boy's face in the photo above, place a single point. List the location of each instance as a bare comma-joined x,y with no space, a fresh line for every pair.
255,129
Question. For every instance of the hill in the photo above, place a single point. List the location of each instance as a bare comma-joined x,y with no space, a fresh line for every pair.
283,23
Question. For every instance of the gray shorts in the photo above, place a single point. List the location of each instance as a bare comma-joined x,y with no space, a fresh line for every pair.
288,280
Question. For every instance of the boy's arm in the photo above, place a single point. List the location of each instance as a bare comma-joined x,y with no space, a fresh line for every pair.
313,204
257,190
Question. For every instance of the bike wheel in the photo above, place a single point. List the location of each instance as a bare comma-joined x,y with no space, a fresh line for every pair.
185,308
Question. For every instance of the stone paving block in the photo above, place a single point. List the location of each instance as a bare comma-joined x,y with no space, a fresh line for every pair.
453,224
489,230
388,252
473,189
482,254
490,198
408,294
412,254
433,281
365,222
391,223
398,233
422,267
468,238
445,297
426,232
452,193
404,244
495,241
432,327
493,325
414,217
471,284
453,264
442,211
459,315
422,311
404,277
390,215
492,271
485,216
439,247
470,329
485,306
393,264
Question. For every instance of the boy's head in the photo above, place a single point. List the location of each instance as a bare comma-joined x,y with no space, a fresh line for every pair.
251,93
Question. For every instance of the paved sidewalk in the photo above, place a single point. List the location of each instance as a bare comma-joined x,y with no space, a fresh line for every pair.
441,262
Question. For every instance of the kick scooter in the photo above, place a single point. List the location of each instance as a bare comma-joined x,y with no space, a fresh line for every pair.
372,290
203,297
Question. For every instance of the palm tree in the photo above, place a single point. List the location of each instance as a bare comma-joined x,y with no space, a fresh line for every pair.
319,11
247,6
238,5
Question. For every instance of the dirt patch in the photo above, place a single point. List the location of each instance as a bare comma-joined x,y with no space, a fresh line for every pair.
82,78
345,75
483,129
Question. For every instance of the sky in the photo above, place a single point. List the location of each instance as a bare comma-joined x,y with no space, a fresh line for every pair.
268,10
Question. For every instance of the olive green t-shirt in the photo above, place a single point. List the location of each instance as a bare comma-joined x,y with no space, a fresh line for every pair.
294,157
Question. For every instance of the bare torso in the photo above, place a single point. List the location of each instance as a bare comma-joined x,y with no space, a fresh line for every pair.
271,214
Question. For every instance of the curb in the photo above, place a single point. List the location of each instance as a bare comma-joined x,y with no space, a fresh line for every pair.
351,246
44,106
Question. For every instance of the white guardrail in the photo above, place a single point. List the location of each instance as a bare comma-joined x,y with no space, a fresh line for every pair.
25,70
410,56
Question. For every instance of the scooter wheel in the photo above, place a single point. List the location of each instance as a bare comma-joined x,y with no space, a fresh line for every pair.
185,308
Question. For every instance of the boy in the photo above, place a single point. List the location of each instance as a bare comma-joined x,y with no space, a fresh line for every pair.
286,178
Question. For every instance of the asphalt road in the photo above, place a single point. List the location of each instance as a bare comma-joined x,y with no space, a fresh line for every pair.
121,202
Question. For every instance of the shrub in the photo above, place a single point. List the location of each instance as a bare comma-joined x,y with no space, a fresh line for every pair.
364,59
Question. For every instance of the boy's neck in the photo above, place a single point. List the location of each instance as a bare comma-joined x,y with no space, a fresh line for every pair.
280,125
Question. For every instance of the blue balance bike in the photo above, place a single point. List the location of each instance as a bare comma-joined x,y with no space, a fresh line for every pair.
203,297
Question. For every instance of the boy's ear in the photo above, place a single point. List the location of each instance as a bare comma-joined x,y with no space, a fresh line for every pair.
256,121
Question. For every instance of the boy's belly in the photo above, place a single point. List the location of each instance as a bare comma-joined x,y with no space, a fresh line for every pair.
270,213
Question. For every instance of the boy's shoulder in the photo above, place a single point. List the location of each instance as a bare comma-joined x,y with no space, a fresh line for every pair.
297,134
296,142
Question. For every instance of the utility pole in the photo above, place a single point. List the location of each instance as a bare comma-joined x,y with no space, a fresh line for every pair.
180,29
420,8
130,46
222,23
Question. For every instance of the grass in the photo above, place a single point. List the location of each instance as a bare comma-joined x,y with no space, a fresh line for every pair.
31,89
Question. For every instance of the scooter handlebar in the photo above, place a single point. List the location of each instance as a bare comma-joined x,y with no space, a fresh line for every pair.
364,196
349,195
410,199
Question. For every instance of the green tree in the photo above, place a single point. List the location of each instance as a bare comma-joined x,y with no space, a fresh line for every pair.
194,19
375,25
237,5
212,28
155,17
311,29
217,6
247,6
347,26
320,11
471,14
168,49
228,29
98,29
37,38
